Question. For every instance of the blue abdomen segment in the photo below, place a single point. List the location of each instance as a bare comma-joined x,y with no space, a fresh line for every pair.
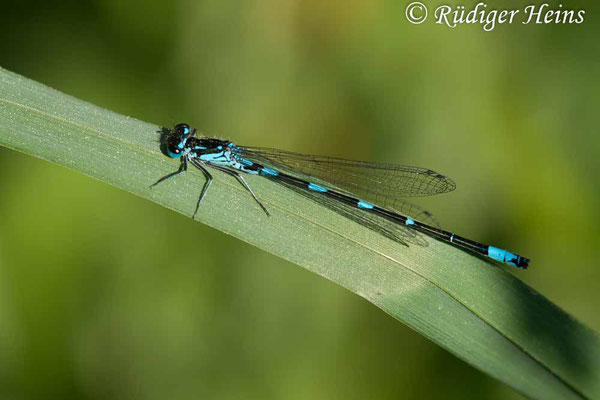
268,171
317,188
507,257
365,205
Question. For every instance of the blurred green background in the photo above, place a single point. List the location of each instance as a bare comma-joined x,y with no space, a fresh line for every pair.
98,297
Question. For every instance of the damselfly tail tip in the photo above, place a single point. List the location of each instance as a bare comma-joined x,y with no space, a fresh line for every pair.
507,257
522,262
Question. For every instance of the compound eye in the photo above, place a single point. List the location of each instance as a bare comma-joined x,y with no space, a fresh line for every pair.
182,129
174,151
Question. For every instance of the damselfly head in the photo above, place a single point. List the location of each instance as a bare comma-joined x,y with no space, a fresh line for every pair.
176,140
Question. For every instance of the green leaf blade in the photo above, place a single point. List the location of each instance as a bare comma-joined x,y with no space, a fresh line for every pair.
475,309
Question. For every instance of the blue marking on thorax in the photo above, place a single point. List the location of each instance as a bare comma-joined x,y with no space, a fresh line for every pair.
268,172
503,256
199,148
317,188
220,157
244,162
409,221
364,204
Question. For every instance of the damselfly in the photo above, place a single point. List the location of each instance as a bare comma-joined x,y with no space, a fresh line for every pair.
357,189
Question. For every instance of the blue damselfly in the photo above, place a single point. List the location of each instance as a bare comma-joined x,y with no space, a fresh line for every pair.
360,190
